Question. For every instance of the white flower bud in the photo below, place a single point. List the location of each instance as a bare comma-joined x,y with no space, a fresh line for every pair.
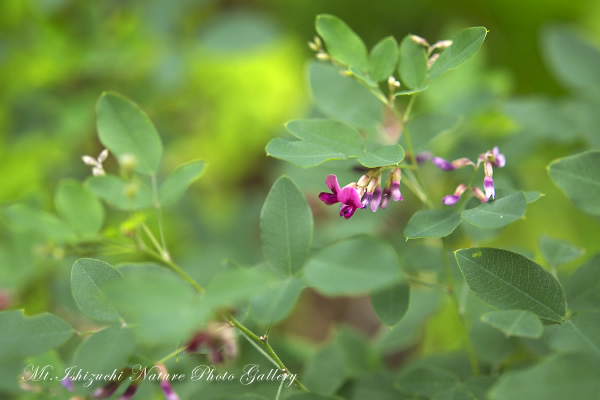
419,40
98,171
103,155
91,161
322,56
442,44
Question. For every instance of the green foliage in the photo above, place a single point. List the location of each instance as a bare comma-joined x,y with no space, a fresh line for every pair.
119,193
515,323
28,219
432,223
174,187
382,156
324,372
464,46
583,287
498,213
413,63
272,306
507,280
579,334
342,43
383,59
79,207
390,304
105,350
286,227
558,252
425,381
577,176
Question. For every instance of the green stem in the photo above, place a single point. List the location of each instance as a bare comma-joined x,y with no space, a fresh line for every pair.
175,268
152,239
414,187
159,217
171,355
463,323
264,344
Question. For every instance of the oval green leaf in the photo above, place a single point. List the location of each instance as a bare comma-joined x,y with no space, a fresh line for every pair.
23,336
515,323
336,136
383,59
497,213
353,266
301,154
577,176
382,156
274,305
125,129
464,46
105,351
79,207
508,281
28,219
88,279
412,67
583,287
324,373
390,304
558,252
342,43
120,194
178,182
286,227
431,223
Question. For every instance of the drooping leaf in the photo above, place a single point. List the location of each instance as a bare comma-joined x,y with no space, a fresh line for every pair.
432,223
509,281
583,287
126,130
558,252
286,227
341,98
382,156
23,336
88,280
556,378
425,381
580,334
573,60
301,154
515,323
464,46
412,67
383,59
390,304
324,373
28,219
106,350
342,43
335,135
497,213
274,305
79,207
179,181
577,176
119,193
353,266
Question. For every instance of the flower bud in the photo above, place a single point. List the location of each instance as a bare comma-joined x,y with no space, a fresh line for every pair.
419,40
127,162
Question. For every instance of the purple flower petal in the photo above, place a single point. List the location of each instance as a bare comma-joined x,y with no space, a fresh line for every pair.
376,199
347,211
67,383
349,196
443,164
328,198
168,391
366,199
450,200
422,157
385,199
479,194
395,191
488,186
332,183
130,391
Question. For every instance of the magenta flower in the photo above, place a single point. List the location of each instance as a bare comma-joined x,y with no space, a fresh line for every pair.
168,391
330,198
443,164
452,199
350,200
395,188
498,159
479,194
67,383
130,391
376,199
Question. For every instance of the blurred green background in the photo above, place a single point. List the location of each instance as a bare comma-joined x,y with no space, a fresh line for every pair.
220,78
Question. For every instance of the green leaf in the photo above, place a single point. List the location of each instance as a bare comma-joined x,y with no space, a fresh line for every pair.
558,252
431,223
342,98
573,60
532,196
88,280
342,43
105,351
311,396
274,305
120,194
515,323
508,281
556,378
383,59
390,304
580,334
229,288
455,393
490,344
497,213
23,336
578,177
28,219
179,181
543,117
583,287
412,67
464,46
336,136
425,381
378,386
382,156
324,373
301,154
125,129
426,128
353,266
79,207
286,227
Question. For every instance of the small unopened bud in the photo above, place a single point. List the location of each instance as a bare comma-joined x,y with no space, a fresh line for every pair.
432,60
103,156
313,46
91,161
487,168
364,180
442,44
322,56
393,83
419,40
479,194
98,171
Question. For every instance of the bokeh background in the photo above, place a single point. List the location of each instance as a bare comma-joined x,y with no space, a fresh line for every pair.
219,79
